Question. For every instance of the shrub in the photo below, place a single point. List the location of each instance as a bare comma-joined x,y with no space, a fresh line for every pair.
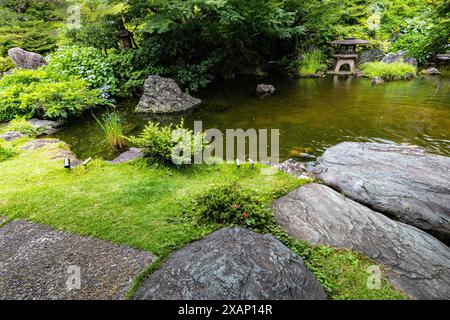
232,205
387,71
312,62
5,64
21,125
5,152
162,144
87,63
35,93
112,127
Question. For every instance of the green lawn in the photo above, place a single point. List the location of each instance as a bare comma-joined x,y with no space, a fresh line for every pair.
143,207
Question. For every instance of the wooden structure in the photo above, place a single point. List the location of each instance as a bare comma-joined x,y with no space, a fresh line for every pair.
347,54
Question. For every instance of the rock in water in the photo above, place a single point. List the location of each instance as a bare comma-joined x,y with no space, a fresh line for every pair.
265,89
25,59
402,181
233,263
377,80
163,95
416,262
431,72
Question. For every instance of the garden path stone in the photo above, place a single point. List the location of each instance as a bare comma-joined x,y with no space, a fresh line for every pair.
232,263
36,262
400,181
416,263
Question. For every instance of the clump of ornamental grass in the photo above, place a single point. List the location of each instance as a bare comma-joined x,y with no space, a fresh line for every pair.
388,71
111,125
5,151
312,62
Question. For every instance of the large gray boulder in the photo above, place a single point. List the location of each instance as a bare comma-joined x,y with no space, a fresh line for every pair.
370,55
400,181
25,59
233,263
163,95
417,263
400,56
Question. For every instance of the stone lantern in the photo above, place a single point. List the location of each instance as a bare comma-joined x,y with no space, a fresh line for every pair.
347,53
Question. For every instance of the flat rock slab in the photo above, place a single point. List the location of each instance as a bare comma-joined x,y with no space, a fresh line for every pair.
401,181
45,127
417,263
127,156
12,135
39,143
233,263
37,262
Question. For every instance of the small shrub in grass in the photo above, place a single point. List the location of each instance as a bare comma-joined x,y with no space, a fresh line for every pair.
5,64
112,127
5,152
232,205
387,71
163,144
21,125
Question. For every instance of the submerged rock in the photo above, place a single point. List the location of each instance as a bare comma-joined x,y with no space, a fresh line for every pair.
408,76
377,81
233,263
431,72
401,181
163,95
417,263
25,59
265,90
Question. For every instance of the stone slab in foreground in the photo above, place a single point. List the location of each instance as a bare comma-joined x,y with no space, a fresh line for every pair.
233,263
405,182
35,263
417,263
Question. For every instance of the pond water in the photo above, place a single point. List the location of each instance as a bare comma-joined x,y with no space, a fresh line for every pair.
311,114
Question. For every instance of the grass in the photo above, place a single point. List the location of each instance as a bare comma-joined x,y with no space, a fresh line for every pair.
387,71
145,208
6,152
112,127
312,62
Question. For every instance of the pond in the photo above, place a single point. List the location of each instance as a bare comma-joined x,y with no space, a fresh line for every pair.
311,114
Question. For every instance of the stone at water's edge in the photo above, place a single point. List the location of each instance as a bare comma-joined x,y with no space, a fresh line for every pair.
233,263
45,127
127,156
265,89
417,263
11,135
163,95
370,55
431,72
401,181
25,59
377,80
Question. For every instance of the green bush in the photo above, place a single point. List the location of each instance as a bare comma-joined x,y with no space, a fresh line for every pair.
162,144
36,93
232,205
387,71
5,152
87,63
312,62
5,64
